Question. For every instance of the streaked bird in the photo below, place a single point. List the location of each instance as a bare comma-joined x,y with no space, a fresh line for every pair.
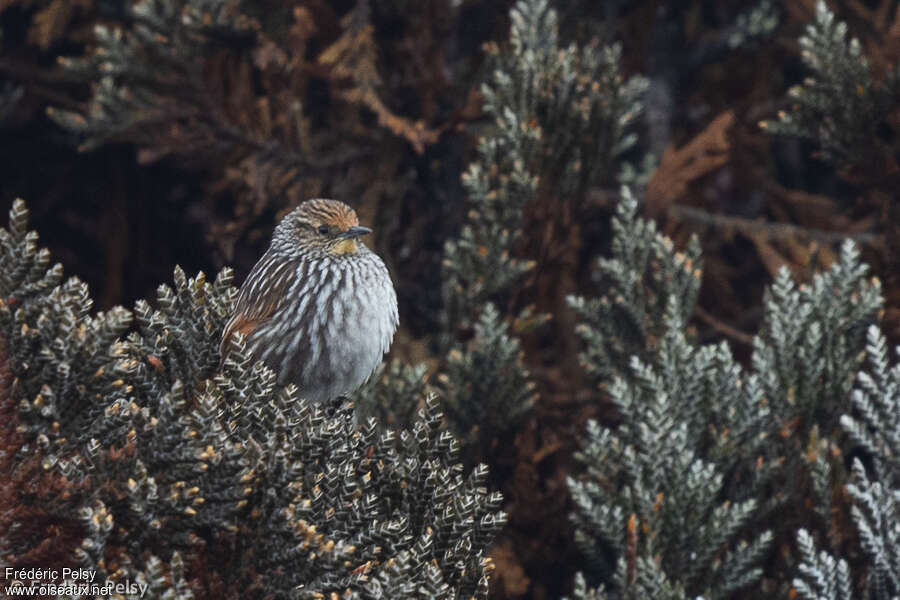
319,307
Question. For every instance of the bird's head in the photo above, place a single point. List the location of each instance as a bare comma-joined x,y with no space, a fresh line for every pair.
320,226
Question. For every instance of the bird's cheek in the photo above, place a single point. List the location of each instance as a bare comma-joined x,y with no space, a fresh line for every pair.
345,247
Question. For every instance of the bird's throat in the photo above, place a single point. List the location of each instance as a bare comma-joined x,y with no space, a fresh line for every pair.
345,247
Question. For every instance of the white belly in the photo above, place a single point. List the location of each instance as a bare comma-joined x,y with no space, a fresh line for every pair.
351,328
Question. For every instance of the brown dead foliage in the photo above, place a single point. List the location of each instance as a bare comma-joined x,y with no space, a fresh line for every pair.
678,168
352,58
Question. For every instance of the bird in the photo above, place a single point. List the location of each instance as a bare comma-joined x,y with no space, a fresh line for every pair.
319,308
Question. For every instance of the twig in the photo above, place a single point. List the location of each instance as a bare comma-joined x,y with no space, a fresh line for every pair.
770,230
723,328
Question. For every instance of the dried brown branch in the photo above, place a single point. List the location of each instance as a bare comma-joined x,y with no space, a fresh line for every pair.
352,57
724,328
751,227
708,151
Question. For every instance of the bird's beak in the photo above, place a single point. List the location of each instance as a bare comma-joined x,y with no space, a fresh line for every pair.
354,232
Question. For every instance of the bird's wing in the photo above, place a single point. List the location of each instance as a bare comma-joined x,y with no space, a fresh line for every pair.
264,292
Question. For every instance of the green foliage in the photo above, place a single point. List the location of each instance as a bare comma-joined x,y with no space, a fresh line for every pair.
562,116
875,422
650,474
821,576
735,435
643,274
393,393
809,349
758,21
170,464
841,106
876,514
876,501
700,456
491,366
647,581
135,70
655,490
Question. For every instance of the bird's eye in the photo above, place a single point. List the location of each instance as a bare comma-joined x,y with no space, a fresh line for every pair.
323,229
